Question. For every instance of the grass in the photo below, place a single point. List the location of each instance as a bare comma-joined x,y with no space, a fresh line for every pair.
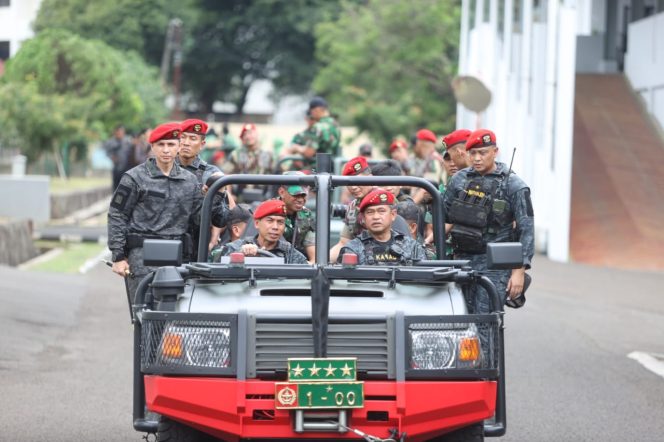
70,260
58,185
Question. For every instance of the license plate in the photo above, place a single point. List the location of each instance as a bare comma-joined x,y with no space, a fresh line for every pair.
318,395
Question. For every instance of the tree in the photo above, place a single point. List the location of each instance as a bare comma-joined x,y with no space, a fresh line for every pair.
61,88
237,42
389,64
128,25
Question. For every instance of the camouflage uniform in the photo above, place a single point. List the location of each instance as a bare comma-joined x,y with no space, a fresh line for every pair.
247,161
428,168
306,138
519,209
399,250
283,249
303,233
326,136
353,221
148,204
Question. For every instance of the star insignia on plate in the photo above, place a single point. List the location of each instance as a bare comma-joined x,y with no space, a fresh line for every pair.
330,370
297,370
346,370
314,370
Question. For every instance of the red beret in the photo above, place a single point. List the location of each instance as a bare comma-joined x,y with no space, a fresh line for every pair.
426,135
167,131
246,127
397,144
456,137
481,138
377,197
270,207
194,126
355,166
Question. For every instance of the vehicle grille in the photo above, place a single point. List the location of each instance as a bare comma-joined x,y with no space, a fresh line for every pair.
369,342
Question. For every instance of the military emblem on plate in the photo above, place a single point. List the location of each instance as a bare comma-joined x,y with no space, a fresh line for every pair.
486,139
287,396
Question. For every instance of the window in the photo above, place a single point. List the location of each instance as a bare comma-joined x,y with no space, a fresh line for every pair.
4,49
4,3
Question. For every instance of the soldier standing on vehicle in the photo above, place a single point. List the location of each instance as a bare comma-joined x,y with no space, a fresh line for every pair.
353,223
154,200
192,140
249,159
270,222
399,153
455,145
426,162
489,203
302,144
300,222
379,244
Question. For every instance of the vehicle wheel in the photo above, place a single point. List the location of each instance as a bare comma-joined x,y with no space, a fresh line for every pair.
472,433
172,431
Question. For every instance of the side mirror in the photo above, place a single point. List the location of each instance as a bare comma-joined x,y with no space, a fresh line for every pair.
504,255
162,252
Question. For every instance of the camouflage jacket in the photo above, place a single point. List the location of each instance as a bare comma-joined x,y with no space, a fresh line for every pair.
515,222
283,249
354,221
301,230
200,168
399,250
245,161
428,168
148,203
327,136
306,138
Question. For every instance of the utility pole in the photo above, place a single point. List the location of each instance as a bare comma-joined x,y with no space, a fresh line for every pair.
173,49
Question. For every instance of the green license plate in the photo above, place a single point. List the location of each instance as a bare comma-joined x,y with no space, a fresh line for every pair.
317,395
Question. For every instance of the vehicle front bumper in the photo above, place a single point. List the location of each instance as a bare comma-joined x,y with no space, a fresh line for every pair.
231,410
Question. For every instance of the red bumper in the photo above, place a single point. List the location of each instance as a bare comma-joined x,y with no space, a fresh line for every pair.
231,409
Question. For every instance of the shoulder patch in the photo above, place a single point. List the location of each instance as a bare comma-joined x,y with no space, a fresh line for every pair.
120,197
529,203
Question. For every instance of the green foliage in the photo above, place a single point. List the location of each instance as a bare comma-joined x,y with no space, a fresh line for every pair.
236,42
138,25
61,88
388,65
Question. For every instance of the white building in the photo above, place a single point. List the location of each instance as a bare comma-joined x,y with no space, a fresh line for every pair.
528,53
16,17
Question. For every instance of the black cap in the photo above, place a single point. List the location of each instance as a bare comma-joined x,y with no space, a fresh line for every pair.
366,149
239,214
317,102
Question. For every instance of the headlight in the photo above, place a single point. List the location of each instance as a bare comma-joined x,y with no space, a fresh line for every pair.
434,348
196,346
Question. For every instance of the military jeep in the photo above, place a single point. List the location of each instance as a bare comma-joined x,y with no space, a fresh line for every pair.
255,349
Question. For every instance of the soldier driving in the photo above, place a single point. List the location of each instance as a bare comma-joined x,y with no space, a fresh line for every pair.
270,221
379,244
156,199
489,203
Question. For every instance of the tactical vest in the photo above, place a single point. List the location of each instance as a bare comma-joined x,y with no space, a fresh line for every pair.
396,249
478,211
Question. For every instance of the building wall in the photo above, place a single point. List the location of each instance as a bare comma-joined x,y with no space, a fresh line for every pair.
644,63
525,52
15,22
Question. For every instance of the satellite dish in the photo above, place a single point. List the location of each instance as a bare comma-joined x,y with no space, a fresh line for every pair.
471,93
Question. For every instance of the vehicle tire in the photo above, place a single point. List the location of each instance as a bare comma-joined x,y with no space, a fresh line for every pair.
172,431
471,433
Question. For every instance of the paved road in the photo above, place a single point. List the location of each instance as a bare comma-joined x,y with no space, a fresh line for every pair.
65,364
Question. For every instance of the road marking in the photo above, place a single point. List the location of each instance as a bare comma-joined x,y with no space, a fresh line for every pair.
648,361
51,254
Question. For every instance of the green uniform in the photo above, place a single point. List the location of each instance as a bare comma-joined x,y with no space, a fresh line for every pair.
327,136
247,161
301,230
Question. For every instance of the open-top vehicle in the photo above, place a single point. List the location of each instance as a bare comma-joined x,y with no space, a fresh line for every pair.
255,349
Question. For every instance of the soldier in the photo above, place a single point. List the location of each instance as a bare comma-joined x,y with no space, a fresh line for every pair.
270,221
327,135
192,140
249,159
455,145
399,153
426,162
379,244
486,203
303,142
300,222
118,149
154,200
236,224
353,223
412,214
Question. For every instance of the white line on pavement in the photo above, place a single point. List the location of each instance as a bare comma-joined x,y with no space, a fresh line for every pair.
90,263
648,361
